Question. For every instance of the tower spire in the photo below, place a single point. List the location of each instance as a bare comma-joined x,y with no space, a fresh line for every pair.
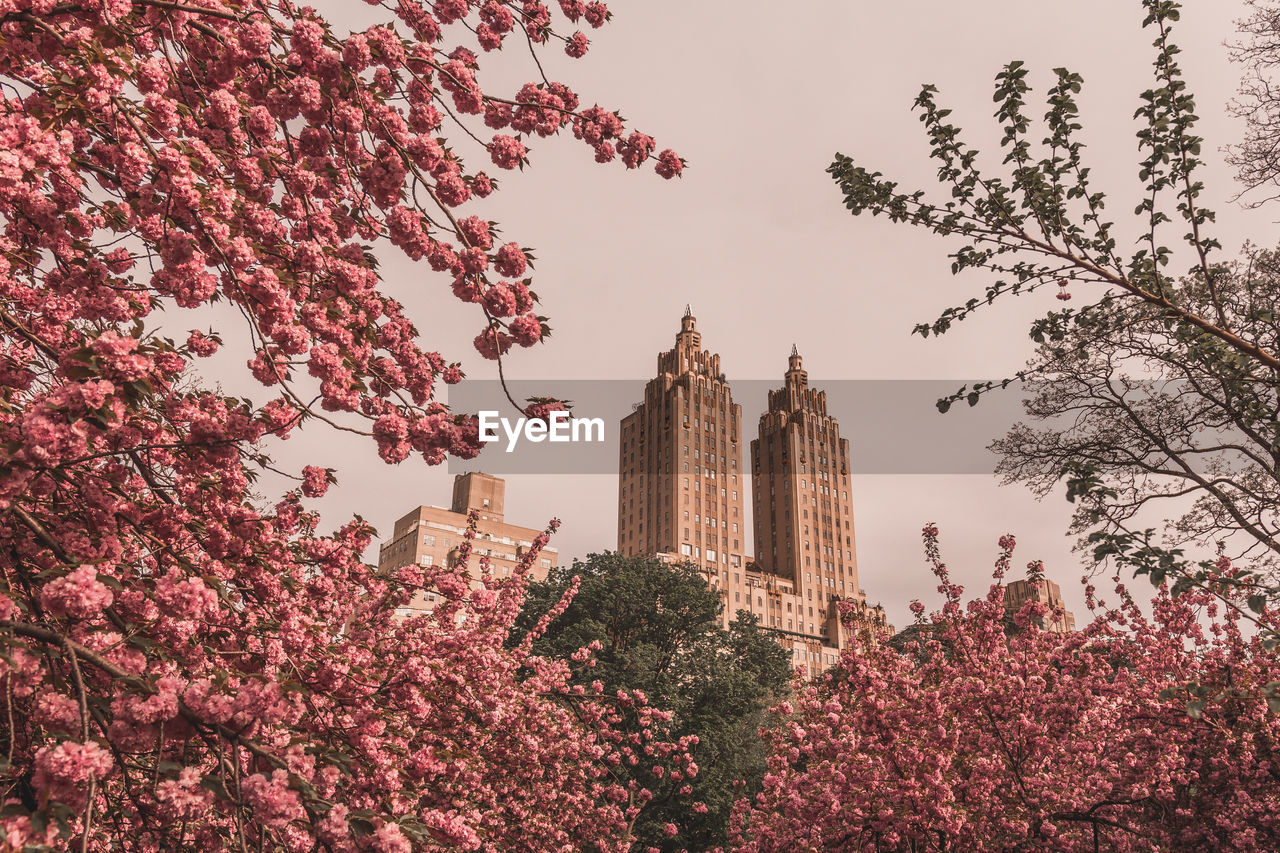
688,323
795,365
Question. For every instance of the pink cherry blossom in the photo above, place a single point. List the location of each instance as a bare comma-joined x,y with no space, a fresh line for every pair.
526,330
64,771
500,300
1137,732
315,481
577,45
78,593
507,152
201,344
510,260
189,661
492,342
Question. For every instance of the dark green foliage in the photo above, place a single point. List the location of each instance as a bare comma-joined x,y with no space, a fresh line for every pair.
659,631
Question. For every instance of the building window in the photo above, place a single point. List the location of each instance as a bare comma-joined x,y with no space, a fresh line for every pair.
428,540
546,563
427,560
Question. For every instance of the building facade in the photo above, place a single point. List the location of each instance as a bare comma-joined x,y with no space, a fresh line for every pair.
681,494
680,480
803,516
430,535
1018,593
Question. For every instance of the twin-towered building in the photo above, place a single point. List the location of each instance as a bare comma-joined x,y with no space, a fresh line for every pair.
682,492
681,495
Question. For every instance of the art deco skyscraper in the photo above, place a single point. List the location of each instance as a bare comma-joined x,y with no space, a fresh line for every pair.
681,490
804,534
680,485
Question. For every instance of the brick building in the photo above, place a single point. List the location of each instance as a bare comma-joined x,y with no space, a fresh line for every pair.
1018,593
430,535
681,492
680,477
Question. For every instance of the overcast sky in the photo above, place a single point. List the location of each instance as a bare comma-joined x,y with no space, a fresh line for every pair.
757,98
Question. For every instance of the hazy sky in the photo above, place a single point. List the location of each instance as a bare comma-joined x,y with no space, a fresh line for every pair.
757,98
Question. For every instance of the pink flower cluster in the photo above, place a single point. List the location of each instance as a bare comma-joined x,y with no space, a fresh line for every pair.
186,664
507,152
64,771
79,594
1137,733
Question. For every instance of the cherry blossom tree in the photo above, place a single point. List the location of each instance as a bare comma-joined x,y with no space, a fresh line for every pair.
183,664
975,738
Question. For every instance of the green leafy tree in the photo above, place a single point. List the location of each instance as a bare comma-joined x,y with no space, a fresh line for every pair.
658,630
1161,390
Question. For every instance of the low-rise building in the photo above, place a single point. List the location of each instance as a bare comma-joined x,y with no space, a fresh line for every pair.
431,535
1018,593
